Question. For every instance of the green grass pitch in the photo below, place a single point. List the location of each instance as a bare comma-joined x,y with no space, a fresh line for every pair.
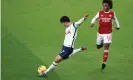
33,36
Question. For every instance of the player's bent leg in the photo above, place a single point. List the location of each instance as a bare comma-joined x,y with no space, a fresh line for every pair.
75,51
105,55
99,41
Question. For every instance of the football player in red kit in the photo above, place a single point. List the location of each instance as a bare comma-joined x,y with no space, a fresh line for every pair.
104,35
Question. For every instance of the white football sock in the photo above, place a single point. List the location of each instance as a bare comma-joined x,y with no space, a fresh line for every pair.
75,51
51,67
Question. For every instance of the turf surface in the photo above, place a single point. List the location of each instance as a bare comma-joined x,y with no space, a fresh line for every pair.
33,36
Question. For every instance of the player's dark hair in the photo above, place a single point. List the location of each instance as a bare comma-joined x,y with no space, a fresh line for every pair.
64,19
110,3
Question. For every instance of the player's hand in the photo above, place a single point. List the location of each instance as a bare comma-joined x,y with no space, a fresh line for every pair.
117,28
86,16
92,25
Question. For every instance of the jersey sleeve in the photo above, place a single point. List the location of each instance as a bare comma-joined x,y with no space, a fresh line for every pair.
79,22
116,21
95,18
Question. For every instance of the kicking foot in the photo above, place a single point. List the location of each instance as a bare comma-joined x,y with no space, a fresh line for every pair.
43,74
103,66
83,48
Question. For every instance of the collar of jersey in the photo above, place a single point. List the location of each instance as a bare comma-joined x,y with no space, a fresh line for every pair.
107,12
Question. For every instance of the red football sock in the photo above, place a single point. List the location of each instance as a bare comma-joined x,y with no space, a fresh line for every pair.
105,56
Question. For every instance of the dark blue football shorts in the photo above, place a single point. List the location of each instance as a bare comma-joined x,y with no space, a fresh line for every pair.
65,52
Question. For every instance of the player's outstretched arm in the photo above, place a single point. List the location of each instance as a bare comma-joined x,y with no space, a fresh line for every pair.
117,22
81,20
94,20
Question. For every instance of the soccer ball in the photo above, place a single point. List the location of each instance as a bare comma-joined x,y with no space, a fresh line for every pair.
41,69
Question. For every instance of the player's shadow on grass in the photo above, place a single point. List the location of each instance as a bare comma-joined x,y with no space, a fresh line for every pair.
18,62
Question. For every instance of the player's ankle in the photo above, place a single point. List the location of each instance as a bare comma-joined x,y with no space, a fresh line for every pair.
45,72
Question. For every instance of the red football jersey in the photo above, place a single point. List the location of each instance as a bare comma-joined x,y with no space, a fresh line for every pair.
105,22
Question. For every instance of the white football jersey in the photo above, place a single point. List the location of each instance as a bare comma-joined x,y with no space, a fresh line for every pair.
70,35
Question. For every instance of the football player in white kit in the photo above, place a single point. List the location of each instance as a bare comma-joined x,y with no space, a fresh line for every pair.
68,45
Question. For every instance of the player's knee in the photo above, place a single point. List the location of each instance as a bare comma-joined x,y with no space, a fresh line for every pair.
58,59
99,46
106,46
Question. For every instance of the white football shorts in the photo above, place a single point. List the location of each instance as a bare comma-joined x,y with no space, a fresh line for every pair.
103,38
